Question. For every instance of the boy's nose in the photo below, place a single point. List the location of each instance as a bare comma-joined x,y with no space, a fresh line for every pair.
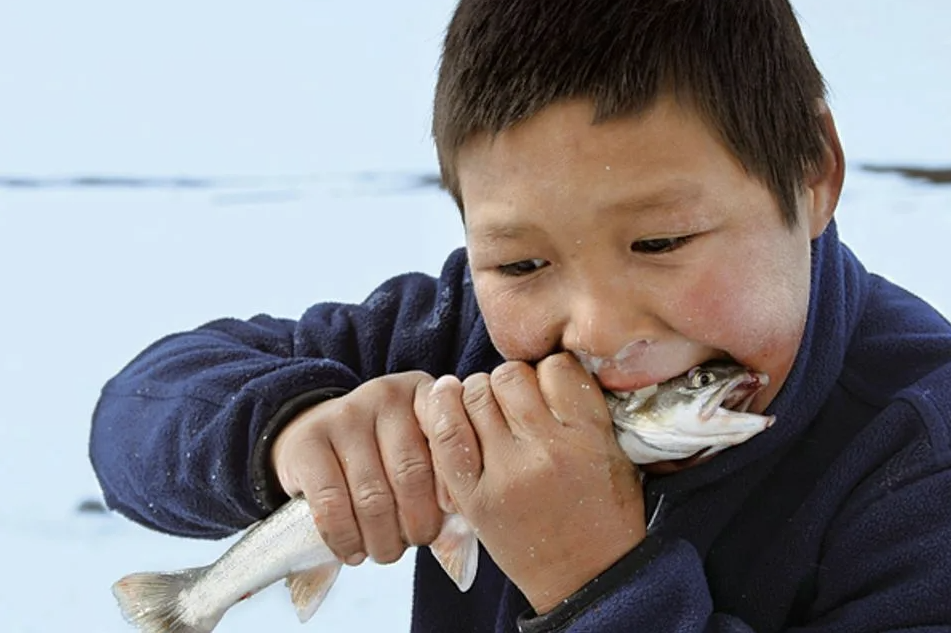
608,330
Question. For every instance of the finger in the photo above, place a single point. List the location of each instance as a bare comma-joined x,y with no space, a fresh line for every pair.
570,392
409,470
483,411
370,495
452,440
516,392
443,498
420,402
324,486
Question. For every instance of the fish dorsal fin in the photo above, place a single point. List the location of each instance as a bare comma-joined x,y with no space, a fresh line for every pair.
310,587
457,550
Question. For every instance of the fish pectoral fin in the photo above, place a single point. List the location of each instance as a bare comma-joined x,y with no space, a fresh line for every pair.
310,587
457,550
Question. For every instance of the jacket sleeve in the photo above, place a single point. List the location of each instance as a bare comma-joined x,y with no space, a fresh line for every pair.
885,565
177,435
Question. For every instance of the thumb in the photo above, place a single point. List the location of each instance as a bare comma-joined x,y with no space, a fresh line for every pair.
457,458
423,394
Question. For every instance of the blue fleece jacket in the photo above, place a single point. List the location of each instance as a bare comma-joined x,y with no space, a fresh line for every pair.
838,518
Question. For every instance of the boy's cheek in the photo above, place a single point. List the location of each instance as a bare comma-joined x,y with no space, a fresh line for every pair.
756,317
520,329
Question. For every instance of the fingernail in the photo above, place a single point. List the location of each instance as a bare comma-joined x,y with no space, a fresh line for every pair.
356,559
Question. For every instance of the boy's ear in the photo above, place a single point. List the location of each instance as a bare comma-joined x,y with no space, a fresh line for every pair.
824,183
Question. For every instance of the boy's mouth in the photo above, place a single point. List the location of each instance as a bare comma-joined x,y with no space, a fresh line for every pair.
643,364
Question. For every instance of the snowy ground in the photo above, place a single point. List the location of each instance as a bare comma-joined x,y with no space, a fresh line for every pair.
303,97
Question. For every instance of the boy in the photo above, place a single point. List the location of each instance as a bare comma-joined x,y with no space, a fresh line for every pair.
645,185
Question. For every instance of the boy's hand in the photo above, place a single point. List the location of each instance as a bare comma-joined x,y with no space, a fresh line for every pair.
530,459
362,463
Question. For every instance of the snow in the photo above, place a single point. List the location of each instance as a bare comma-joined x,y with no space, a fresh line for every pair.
290,108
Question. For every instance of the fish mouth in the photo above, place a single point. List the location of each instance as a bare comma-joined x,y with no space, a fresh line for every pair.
735,395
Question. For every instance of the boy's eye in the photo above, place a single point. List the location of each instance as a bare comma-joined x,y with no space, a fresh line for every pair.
659,245
522,267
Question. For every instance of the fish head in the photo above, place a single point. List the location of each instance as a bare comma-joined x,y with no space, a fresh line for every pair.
705,409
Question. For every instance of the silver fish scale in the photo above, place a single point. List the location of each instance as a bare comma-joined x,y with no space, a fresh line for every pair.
287,542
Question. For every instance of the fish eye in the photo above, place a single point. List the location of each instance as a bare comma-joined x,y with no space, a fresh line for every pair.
700,377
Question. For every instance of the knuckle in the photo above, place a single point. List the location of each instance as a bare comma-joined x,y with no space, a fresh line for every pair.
331,509
394,386
330,503
557,362
413,474
343,543
415,377
510,373
310,426
303,445
387,388
446,433
421,385
372,395
348,408
373,500
477,393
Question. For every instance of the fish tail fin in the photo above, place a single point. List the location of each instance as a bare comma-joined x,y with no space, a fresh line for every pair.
153,602
457,550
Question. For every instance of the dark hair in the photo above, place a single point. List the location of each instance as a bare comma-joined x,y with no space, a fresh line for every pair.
742,64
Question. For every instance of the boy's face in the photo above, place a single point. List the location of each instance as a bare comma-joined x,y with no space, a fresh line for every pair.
639,244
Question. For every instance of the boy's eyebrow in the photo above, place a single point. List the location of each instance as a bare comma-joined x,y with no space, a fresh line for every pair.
498,232
675,194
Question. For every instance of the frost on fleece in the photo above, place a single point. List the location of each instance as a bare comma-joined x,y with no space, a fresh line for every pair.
836,519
